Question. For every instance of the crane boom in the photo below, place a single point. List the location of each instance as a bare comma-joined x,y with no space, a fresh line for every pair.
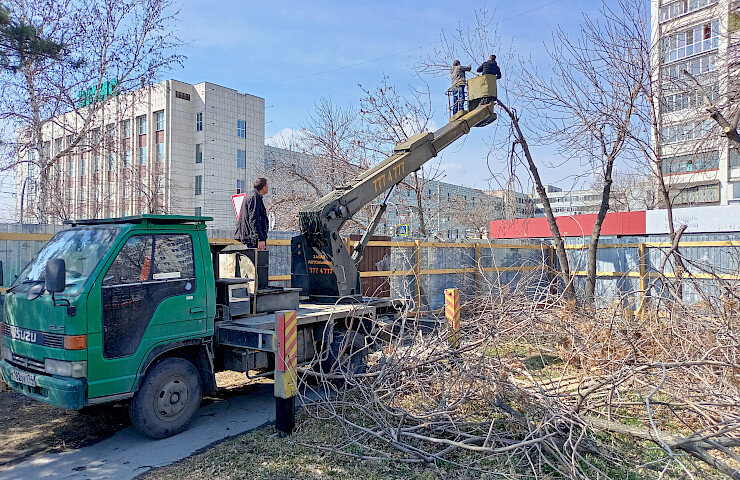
322,265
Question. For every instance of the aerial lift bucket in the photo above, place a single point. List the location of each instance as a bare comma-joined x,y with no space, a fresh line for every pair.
481,90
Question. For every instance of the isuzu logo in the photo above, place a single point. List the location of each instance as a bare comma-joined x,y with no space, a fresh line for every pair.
23,335
53,340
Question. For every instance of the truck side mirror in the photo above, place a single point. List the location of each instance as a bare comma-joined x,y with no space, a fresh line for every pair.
56,278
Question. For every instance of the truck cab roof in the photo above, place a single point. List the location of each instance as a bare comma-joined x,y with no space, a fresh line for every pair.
145,219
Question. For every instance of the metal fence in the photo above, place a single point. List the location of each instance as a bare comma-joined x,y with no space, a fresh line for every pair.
421,270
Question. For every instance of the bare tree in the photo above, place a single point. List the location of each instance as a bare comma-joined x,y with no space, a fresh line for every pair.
587,102
392,117
120,46
473,44
327,153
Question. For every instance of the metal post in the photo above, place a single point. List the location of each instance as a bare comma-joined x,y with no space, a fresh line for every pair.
642,253
417,275
478,268
452,313
286,362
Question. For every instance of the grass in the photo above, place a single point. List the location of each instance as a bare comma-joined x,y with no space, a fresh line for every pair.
259,454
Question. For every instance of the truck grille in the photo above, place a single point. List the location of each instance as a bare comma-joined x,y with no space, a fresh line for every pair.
27,363
53,340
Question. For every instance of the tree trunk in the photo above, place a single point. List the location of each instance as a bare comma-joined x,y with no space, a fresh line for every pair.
593,245
420,205
557,238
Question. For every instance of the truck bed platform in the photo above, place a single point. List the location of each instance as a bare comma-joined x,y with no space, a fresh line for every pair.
256,332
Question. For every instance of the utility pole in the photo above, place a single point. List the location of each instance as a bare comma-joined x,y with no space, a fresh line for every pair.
23,198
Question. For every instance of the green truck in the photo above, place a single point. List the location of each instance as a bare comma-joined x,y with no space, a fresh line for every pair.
131,309
137,309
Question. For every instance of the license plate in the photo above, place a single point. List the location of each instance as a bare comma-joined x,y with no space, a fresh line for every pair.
23,377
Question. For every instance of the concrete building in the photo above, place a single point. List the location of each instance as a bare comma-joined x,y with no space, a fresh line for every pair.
170,148
511,204
697,36
639,196
451,211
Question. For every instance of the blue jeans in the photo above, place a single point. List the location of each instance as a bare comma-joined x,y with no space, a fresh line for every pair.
458,99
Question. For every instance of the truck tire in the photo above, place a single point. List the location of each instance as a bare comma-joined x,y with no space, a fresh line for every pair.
350,344
167,399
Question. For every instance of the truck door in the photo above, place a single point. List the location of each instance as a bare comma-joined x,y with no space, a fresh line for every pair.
149,295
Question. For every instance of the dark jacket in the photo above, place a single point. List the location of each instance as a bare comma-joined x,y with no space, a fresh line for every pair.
253,224
490,68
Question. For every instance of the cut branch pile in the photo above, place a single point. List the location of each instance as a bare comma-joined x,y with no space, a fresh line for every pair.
540,387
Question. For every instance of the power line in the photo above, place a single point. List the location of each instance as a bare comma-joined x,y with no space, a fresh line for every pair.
332,70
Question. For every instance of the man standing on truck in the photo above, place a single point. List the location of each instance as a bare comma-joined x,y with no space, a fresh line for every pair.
253,225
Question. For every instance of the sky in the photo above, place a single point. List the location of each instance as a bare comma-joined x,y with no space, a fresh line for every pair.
293,54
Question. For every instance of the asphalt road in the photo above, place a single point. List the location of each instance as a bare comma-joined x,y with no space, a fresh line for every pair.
128,453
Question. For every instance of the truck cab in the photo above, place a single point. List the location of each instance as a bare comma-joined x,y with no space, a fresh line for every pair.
134,290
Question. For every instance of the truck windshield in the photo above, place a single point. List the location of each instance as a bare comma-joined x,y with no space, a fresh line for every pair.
81,249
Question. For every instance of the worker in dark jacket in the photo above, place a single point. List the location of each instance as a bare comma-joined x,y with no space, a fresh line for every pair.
490,67
252,227
457,75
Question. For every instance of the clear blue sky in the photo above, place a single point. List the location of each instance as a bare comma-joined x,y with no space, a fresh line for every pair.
258,47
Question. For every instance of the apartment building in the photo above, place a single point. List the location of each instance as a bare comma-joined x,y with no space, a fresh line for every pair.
698,36
171,147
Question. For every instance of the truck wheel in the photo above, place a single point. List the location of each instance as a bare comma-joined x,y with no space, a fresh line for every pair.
347,353
167,399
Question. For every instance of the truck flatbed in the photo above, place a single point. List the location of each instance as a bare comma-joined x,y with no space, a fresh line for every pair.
256,332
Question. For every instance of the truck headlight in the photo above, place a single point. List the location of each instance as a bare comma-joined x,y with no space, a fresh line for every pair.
65,369
7,356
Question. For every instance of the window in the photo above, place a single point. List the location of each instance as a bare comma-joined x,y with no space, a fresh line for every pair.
241,158
127,158
141,157
695,66
182,95
241,129
111,162
681,7
147,258
159,120
96,163
691,163
141,125
126,128
110,132
71,168
701,38
199,121
160,152
682,100
127,191
240,184
147,270
70,140
697,194
198,153
684,131
199,184
58,145
198,211
83,166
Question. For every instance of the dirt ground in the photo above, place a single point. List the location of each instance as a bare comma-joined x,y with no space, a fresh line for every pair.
29,428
